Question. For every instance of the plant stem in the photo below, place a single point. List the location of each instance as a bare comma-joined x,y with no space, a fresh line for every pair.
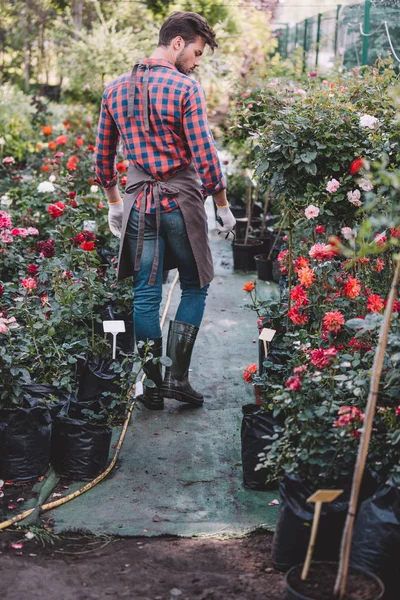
290,267
249,209
266,204
281,223
341,580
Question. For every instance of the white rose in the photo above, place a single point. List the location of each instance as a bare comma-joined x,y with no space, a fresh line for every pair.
94,189
52,178
368,121
366,185
45,186
354,197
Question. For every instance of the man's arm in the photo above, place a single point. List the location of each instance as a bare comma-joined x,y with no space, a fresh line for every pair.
202,146
106,173
205,155
106,148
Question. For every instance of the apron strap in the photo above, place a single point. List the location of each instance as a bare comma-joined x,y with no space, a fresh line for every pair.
145,92
131,92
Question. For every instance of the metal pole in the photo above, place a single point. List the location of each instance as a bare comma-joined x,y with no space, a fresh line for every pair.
339,6
367,12
318,39
305,46
287,41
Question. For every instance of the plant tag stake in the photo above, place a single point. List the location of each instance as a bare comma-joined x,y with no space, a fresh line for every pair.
138,389
114,327
318,498
266,335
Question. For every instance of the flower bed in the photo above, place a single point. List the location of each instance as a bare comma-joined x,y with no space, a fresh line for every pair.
58,282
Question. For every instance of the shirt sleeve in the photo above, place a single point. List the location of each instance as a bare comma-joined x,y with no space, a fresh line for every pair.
201,142
106,148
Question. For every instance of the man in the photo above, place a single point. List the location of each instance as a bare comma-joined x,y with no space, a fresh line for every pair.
159,113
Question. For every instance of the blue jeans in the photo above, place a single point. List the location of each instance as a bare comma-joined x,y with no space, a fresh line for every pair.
147,298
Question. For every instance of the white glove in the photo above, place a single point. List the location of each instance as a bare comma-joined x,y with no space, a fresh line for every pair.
115,213
227,218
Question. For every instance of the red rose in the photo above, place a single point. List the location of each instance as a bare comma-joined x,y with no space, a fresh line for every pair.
33,269
61,140
72,163
56,210
356,166
88,246
121,167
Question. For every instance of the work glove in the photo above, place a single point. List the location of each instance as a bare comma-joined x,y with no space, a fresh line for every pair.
225,219
115,213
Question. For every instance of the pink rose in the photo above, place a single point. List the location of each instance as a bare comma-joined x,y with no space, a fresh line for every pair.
311,211
332,186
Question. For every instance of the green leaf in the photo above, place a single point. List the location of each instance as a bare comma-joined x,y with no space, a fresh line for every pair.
311,169
356,324
166,361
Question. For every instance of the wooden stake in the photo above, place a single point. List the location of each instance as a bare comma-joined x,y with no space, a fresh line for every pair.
341,580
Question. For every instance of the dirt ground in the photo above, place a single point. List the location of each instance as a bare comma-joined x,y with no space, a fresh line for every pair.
75,567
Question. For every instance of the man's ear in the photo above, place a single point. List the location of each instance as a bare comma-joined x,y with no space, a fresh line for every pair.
178,43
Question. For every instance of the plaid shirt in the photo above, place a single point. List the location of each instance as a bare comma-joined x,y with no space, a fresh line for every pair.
179,131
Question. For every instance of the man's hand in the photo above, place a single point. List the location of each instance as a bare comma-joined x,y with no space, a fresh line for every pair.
115,212
227,219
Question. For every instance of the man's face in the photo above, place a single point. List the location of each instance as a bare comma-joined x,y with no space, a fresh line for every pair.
189,58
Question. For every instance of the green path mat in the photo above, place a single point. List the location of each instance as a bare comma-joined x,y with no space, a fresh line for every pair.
179,471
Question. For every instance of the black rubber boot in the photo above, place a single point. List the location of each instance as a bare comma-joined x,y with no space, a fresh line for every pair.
181,339
152,397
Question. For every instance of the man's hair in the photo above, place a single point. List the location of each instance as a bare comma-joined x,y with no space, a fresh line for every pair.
188,25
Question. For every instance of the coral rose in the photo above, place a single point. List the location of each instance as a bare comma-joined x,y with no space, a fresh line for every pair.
333,321
248,287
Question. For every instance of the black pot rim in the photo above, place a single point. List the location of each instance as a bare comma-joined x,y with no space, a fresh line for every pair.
262,258
326,562
241,245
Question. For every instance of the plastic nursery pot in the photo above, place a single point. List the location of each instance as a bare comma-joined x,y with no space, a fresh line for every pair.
255,425
79,450
243,255
24,442
264,267
320,583
241,225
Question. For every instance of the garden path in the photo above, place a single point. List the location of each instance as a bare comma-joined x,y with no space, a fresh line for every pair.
179,471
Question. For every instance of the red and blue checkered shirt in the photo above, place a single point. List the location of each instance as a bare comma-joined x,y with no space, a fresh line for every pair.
178,135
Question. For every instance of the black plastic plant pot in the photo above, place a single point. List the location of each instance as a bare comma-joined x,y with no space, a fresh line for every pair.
243,255
241,225
264,267
238,211
97,377
320,583
79,450
24,442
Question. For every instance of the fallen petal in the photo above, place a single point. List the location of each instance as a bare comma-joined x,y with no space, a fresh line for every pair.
17,545
274,503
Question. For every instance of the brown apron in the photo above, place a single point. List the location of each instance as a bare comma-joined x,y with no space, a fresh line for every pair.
185,185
